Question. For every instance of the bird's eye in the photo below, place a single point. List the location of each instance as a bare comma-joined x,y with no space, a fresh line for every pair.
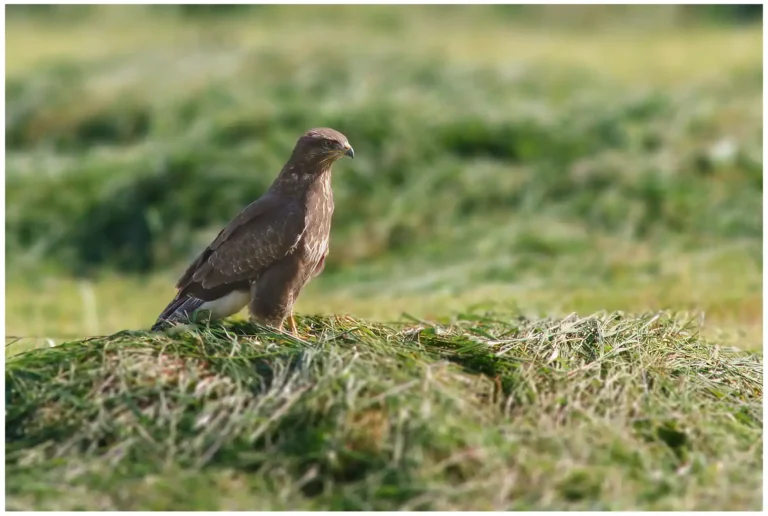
328,144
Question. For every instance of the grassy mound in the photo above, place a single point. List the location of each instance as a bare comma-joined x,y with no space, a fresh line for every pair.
609,411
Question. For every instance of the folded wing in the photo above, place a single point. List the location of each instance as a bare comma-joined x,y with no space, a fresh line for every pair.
262,234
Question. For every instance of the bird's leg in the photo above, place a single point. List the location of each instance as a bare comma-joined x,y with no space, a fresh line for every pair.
273,296
294,331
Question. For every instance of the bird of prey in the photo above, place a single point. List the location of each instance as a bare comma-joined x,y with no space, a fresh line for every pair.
267,253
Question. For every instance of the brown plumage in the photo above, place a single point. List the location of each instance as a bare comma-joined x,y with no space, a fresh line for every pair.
267,253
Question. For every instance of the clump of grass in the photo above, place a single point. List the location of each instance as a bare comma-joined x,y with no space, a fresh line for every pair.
485,411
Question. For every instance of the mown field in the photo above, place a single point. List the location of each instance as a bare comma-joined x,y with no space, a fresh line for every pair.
544,285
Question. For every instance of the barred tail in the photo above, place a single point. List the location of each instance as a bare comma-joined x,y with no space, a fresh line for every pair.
179,310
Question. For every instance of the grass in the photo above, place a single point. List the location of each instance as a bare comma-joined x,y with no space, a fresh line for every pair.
430,33
543,291
722,285
609,411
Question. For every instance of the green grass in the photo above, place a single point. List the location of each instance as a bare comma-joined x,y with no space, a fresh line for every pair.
722,286
522,177
610,411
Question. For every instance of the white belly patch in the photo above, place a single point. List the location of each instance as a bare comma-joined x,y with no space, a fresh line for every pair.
227,305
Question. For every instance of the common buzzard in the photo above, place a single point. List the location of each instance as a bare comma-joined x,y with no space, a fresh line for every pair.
267,253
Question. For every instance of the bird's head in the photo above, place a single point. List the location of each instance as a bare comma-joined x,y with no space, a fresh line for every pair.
324,146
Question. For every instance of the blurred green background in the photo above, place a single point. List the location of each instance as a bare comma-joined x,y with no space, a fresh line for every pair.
544,159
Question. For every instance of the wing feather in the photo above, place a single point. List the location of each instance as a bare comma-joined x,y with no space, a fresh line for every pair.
263,233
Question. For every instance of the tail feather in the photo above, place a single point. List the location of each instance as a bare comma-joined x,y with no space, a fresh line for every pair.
179,310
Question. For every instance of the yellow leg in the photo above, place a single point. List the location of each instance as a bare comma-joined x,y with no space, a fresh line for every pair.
294,331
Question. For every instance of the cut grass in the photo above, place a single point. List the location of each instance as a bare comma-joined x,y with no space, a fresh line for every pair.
722,286
467,36
487,411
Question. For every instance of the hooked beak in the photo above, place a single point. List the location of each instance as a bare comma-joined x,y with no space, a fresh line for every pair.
350,152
